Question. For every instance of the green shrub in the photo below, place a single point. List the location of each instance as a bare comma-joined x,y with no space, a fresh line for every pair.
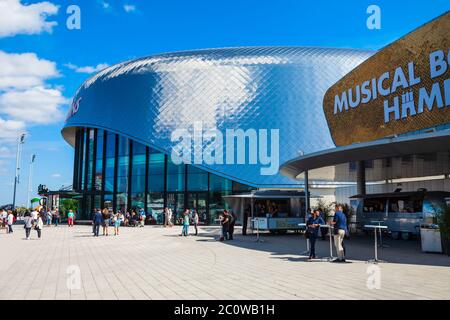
443,221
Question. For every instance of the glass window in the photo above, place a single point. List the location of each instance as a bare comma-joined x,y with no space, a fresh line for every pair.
91,159
156,171
175,176
108,201
124,146
197,179
121,201
138,170
83,163
216,205
217,183
123,163
110,161
99,161
80,154
97,202
138,175
139,148
405,205
155,207
239,187
374,205
123,167
88,209
111,145
137,200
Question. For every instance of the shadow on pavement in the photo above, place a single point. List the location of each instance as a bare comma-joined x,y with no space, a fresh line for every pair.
358,248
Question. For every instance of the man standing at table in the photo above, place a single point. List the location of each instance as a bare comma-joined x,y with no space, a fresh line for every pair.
340,229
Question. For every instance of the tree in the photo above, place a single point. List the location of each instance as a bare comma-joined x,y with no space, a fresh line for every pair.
68,204
443,220
324,207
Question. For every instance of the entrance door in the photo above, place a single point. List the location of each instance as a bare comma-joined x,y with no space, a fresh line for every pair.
175,201
199,201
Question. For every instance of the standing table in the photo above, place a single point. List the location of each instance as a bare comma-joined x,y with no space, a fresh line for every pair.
381,245
375,227
257,230
307,241
330,233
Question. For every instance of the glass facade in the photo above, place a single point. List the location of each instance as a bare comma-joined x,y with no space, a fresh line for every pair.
114,172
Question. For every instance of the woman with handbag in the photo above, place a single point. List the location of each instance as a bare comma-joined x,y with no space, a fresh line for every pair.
313,225
28,224
38,226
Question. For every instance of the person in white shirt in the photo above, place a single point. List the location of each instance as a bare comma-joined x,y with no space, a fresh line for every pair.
39,225
169,218
166,216
4,218
10,220
34,215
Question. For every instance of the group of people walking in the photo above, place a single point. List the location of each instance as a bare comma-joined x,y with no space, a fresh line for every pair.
7,220
227,221
186,219
105,218
316,222
34,219
53,217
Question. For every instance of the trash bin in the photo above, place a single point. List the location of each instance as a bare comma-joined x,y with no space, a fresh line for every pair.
430,238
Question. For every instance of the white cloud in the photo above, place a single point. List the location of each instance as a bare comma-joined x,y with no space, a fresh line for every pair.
24,70
56,175
6,168
105,5
6,151
16,18
129,8
37,105
87,69
10,130
24,97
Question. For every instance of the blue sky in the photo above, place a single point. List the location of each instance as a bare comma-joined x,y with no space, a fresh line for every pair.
115,30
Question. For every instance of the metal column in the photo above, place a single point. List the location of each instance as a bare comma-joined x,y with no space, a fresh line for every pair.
361,178
307,200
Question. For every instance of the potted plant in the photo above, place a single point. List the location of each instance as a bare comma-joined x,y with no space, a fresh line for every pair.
443,221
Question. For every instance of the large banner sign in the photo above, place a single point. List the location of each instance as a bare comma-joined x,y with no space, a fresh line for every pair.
404,87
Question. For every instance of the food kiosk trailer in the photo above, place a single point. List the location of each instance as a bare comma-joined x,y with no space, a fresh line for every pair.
277,211
402,212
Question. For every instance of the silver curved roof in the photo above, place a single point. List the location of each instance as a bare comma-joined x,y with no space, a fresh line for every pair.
248,88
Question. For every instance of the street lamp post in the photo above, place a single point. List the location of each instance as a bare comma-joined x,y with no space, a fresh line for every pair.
17,176
30,175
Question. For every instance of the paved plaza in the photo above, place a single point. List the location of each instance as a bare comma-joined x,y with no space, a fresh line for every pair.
156,263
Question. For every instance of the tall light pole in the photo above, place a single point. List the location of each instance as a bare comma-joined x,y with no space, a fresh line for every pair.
18,156
30,174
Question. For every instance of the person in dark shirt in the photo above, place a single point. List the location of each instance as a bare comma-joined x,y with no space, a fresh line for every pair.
340,229
97,221
232,216
313,225
106,221
93,215
225,225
